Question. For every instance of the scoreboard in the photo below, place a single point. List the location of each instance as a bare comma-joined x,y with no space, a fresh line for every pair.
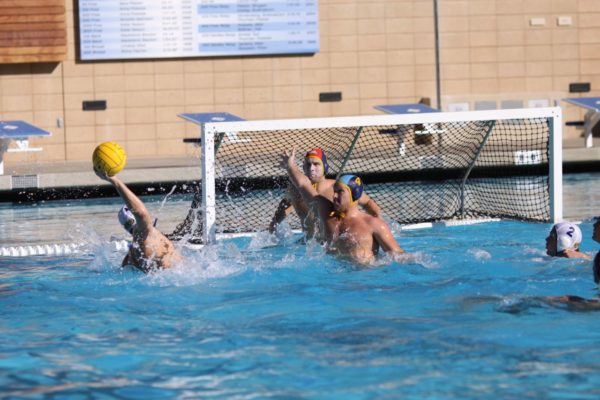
140,29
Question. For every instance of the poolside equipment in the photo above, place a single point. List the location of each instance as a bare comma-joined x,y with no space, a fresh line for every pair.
19,132
478,164
109,157
590,119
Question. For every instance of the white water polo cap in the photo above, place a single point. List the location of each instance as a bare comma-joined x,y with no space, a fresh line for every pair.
127,219
568,236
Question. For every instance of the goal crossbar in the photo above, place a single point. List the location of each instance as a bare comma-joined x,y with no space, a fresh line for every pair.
380,120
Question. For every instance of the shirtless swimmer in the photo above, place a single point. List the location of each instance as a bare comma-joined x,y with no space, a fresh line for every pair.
348,232
150,249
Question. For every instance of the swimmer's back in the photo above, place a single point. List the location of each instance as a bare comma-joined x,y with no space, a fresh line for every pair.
153,251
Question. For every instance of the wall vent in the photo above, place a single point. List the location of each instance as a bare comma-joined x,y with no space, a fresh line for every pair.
25,181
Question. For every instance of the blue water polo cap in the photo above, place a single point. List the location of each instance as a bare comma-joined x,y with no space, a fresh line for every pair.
353,183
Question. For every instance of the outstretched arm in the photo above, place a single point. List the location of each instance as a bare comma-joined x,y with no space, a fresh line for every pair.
572,303
369,205
299,180
137,207
577,254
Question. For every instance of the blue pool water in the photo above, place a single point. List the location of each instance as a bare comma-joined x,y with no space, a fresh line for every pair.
246,319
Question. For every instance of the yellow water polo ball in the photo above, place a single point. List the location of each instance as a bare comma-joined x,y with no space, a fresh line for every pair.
109,158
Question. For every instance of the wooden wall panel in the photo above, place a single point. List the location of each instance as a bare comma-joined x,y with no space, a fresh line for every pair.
32,31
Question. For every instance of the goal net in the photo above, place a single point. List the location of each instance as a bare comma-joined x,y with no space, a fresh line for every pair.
417,167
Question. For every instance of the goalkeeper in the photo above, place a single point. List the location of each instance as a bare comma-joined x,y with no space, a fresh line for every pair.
347,231
315,167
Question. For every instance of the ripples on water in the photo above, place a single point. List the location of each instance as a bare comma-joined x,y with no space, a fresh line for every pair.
267,317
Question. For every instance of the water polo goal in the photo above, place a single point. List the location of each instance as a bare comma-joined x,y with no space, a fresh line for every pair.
456,166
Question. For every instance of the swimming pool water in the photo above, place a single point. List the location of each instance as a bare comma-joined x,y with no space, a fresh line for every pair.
249,319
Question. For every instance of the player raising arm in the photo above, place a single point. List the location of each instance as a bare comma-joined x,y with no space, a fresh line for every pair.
347,231
150,249
314,167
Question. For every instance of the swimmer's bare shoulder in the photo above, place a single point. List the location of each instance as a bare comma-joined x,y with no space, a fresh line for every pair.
383,234
153,250
166,250
325,188
369,234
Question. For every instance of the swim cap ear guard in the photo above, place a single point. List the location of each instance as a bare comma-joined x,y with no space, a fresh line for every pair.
320,155
568,236
127,219
354,185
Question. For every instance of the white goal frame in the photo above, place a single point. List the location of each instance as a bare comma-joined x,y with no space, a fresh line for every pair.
210,130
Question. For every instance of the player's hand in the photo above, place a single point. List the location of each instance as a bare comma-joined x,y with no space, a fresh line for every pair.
102,175
288,158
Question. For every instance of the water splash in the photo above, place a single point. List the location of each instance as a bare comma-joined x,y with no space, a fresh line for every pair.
105,258
198,267
284,233
263,240
534,251
479,254
164,200
315,250
419,258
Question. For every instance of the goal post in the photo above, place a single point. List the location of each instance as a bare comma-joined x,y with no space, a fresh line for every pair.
208,204
418,167
555,168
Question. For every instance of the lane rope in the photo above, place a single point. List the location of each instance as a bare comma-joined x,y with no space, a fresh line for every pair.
54,249
61,249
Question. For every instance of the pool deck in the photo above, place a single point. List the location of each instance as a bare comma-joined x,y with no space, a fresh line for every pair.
160,174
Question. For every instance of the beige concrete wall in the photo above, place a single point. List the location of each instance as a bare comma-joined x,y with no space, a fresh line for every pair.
374,52
495,51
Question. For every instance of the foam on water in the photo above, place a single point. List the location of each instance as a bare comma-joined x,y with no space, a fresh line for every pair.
479,254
